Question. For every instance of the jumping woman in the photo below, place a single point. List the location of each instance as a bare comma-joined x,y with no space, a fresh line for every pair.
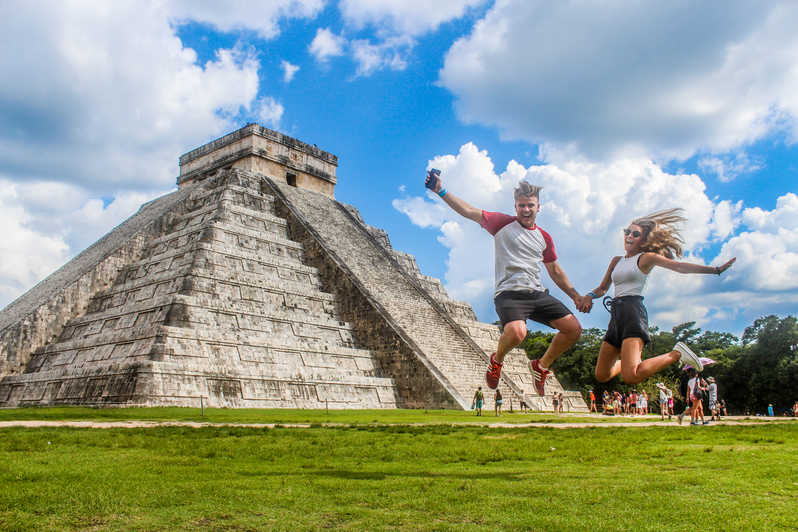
653,240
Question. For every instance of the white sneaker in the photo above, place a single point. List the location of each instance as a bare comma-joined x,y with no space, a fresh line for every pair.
688,357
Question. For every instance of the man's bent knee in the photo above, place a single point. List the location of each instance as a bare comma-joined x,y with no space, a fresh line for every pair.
515,332
569,326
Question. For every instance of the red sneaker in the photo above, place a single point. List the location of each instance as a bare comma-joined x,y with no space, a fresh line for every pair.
539,376
494,373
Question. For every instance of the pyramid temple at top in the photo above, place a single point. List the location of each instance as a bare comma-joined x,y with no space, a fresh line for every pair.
250,286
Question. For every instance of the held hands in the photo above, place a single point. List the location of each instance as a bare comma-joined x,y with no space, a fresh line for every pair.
584,303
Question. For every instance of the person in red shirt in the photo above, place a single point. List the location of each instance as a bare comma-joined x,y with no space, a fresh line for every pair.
521,246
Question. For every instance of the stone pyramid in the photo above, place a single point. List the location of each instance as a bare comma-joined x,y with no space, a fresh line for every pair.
250,286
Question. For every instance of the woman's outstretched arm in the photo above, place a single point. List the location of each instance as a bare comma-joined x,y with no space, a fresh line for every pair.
649,260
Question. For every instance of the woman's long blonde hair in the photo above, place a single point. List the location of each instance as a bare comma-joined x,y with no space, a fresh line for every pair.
661,233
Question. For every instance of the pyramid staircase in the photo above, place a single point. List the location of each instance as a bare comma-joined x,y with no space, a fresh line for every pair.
221,306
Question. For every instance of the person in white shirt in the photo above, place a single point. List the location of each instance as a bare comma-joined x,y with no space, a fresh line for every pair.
521,248
713,399
650,241
663,401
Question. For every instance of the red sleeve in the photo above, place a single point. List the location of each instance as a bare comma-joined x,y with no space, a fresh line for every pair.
549,255
493,221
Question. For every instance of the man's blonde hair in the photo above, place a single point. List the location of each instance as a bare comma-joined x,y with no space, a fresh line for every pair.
527,190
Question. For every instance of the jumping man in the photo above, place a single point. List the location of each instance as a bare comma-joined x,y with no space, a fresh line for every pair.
520,248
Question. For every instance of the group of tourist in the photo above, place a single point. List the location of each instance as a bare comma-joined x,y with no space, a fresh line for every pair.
700,393
615,403
498,400
697,392
557,402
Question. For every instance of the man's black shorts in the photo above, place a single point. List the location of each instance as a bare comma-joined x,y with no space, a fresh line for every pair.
529,305
629,319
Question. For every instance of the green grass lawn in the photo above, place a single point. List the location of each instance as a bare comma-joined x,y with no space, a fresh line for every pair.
363,477
288,416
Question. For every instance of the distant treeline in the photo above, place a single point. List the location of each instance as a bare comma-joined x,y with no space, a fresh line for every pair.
758,369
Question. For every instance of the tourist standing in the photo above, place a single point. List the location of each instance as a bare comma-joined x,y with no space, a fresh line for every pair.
478,400
642,403
699,396
593,402
663,401
686,388
616,404
521,247
670,403
714,408
497,402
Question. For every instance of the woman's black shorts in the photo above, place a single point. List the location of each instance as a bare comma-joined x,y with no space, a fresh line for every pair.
629,319
532,305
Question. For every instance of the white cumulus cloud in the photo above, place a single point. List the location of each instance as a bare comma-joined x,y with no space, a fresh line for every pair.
406,17
727,167
262,17
326,44
768,251
97,102
388,54
396,24
289,70
666,81
269,111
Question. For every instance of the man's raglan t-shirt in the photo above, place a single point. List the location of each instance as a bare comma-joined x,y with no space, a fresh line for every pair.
519,252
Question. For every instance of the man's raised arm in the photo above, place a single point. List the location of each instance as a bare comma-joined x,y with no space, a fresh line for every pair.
435,184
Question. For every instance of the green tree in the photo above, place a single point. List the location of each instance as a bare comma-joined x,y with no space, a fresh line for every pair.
761,369
686,332
767,370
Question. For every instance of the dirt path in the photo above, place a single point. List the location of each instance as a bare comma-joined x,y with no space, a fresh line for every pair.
566,425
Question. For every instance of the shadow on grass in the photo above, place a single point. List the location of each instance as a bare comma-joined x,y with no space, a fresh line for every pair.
379,475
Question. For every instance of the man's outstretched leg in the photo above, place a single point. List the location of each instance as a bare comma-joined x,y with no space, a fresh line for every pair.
568,331
513,334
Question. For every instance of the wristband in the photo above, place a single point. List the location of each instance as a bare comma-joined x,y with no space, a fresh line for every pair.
442,192
592,295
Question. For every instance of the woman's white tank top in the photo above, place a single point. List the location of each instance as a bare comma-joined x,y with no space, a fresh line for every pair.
627,277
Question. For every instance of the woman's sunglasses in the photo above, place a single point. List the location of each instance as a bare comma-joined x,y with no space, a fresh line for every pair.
635,234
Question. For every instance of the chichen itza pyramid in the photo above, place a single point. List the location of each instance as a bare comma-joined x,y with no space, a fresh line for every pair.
249,286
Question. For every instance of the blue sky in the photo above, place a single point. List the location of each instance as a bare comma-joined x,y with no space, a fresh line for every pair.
617,109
